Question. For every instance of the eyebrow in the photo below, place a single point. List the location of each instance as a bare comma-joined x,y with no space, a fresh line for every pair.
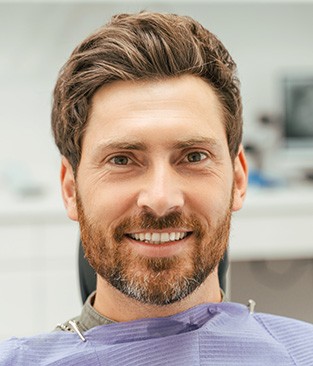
211,142
139,146
119,145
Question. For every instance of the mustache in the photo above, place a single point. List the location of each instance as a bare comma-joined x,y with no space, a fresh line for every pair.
148,221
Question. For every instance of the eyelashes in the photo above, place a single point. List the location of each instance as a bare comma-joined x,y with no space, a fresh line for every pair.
191,159
120,160
196,156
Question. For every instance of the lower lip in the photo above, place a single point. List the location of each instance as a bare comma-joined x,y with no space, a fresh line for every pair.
172,248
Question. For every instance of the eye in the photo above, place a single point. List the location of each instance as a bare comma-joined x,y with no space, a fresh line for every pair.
196,156
119,160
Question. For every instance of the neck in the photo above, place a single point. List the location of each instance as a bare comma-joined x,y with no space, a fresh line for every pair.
116,306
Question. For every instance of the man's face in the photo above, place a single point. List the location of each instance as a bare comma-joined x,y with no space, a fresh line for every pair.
155,187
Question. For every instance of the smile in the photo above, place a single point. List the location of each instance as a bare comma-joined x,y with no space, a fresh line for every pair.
159,238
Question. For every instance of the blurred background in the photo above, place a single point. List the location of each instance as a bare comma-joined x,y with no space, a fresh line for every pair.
271,246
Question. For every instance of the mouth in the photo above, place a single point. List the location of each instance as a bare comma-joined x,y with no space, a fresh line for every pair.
159,238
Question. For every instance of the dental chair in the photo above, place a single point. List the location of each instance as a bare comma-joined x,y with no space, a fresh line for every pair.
87,276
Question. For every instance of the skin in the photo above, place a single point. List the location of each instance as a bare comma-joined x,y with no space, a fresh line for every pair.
156,147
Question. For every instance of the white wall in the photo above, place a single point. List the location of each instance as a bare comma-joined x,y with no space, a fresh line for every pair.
35,39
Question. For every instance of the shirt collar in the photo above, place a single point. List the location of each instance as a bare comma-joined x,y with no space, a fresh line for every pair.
90,318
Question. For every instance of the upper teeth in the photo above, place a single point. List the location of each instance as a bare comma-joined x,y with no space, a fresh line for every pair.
158,238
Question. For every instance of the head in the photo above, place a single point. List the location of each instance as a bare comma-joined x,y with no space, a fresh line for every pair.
147,116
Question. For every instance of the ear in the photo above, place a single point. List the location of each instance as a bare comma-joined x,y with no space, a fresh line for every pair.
68,189
240,179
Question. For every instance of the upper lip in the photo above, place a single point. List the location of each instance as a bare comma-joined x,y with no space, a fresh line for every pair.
170,230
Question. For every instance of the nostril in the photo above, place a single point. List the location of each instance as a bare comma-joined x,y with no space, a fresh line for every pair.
160,205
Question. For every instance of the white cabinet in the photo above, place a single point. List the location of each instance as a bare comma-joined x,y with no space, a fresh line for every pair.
38,274
274,224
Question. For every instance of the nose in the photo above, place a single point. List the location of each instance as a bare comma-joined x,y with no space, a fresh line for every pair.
161,191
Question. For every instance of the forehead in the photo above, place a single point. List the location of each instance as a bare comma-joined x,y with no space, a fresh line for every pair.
155,112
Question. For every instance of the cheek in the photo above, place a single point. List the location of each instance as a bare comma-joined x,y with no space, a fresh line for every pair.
108,203
212,201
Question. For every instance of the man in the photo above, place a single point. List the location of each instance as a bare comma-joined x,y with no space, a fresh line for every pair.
147,116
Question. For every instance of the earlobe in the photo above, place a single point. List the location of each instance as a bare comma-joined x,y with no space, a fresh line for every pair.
240,179
68,189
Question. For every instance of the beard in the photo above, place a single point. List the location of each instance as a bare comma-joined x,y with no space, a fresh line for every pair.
154,280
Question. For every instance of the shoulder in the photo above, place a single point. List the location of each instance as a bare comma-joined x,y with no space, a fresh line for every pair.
8,351
295,335
45,349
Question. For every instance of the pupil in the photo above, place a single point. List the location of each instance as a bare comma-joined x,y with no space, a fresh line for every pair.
194,157
121,160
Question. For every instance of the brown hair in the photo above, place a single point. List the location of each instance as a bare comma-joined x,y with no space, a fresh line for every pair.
142,46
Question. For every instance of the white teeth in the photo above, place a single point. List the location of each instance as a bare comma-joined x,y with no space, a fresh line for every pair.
165,237
172,236
155,237
158,238
147,236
